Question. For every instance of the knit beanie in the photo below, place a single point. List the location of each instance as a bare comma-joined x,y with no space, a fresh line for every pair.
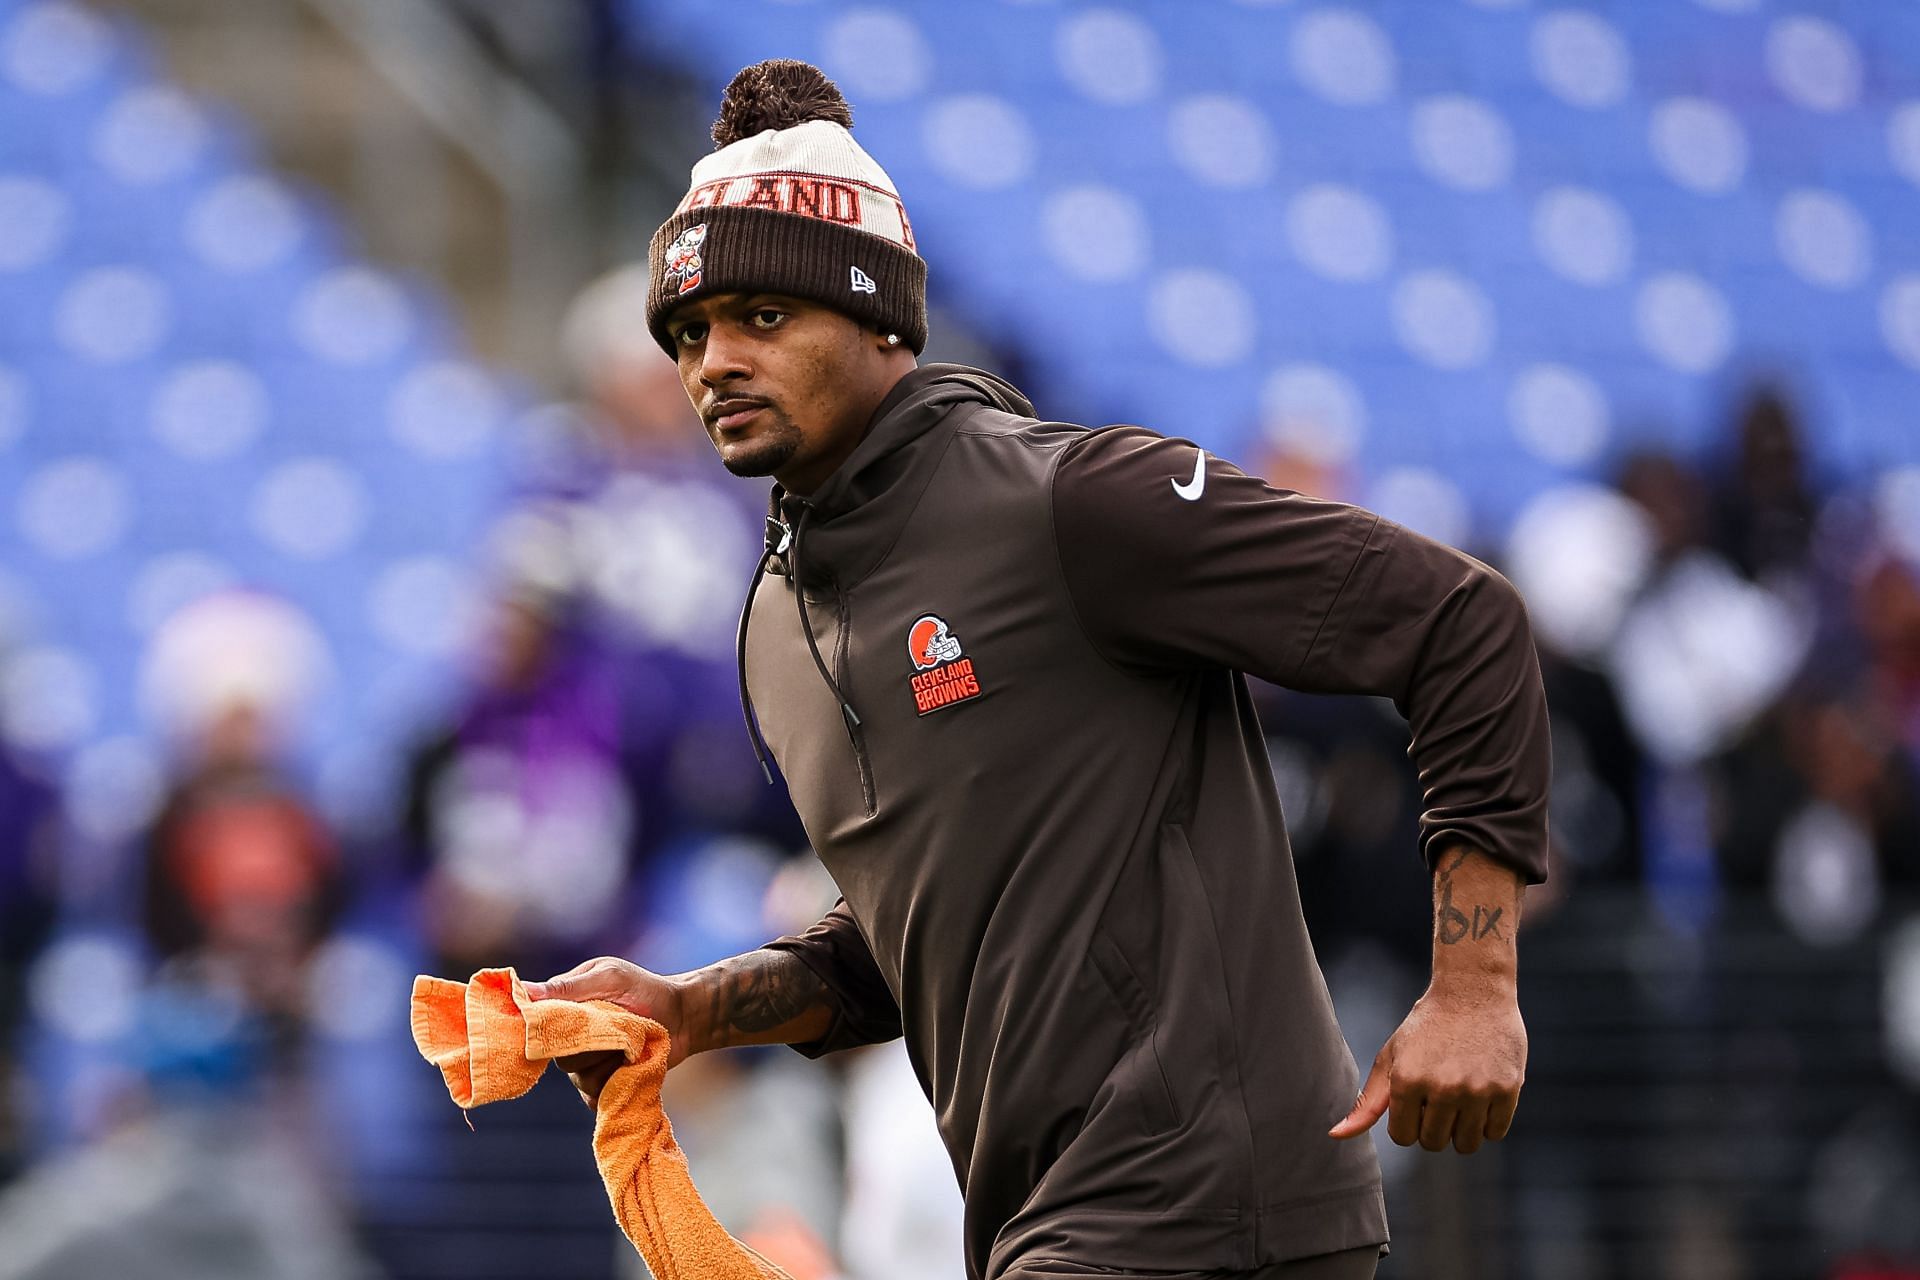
789,203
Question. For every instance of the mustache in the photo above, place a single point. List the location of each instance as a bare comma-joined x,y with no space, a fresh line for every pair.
732,402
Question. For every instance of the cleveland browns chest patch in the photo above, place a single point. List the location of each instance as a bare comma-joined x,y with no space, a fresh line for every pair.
943,674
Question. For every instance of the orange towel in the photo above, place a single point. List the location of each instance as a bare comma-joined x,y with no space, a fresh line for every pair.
492,1042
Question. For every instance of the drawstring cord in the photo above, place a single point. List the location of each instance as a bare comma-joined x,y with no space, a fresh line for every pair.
789,540
806,628
740,653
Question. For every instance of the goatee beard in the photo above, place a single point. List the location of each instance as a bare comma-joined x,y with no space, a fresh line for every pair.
765,460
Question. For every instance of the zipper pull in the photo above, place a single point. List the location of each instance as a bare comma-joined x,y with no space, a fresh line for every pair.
779,535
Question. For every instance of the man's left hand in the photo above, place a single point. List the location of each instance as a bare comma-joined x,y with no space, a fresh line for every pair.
1451,1073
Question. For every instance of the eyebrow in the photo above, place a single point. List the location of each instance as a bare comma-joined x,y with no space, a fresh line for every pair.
702,312
706,310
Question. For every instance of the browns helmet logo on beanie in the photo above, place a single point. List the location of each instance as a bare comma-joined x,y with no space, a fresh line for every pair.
789,203
683,260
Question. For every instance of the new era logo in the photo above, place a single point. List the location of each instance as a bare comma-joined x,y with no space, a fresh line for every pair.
862,282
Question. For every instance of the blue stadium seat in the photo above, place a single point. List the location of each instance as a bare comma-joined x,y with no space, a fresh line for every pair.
178,331
1442,127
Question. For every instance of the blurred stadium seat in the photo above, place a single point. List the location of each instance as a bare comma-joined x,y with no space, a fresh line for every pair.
1424,201
199,387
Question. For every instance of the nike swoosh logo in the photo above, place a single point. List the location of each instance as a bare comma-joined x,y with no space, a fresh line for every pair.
1192,489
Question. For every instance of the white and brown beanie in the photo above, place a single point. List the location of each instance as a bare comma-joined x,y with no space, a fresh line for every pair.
789,203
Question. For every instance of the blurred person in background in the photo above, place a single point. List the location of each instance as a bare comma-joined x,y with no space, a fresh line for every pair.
1816,824
1822,798
1698,657
521,812
1702,650
1767,791
206,1160
29,832
596,724
627,534
1818,800
1764,503
243,879
1582,554
1888,608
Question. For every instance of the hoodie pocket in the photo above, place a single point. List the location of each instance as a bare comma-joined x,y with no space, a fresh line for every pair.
1139,1071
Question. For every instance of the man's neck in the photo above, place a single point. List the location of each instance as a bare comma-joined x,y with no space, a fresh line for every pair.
805,483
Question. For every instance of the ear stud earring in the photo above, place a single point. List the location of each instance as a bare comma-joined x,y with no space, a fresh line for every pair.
893,339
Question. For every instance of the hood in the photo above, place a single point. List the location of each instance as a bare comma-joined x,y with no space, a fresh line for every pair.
916,404
831,539
854,516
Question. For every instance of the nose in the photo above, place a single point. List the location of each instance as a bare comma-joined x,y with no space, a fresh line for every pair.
724,357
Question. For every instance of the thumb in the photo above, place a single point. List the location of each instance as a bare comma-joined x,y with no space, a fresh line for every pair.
1370,1105
571,985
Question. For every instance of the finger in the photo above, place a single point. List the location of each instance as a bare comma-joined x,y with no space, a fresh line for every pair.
1470,1126
592,1067
586,1084
1500,1115
1436,1124
589,1073
1403,1116
1368,1107
574,984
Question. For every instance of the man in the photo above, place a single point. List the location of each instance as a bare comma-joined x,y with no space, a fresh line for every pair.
999,663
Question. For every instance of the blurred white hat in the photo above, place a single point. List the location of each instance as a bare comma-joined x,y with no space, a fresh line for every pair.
1579,554
607,326
229,650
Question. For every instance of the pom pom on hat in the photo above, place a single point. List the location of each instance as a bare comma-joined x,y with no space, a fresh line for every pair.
777,94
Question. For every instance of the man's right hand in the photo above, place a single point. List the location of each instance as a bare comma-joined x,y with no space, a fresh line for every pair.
626,984
762,997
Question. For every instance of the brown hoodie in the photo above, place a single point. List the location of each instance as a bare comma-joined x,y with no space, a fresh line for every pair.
1011,714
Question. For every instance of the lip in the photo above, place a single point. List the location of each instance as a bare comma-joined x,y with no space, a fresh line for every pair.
738,418
729,414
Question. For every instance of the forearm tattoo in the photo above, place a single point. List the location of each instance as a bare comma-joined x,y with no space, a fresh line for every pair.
1451,924
763,990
